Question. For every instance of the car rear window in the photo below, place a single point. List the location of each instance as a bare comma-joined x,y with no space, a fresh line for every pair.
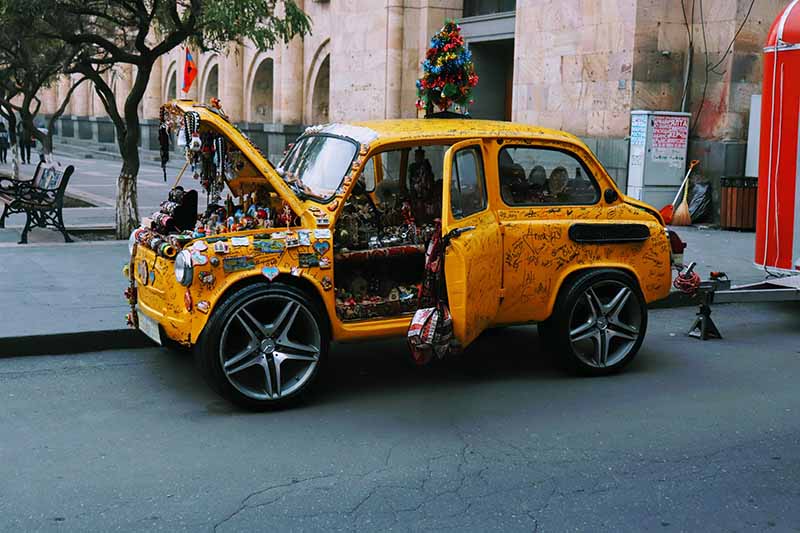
544,176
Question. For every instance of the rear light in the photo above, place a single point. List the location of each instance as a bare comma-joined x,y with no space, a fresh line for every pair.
677,246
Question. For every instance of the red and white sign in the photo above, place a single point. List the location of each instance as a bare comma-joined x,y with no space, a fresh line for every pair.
670,139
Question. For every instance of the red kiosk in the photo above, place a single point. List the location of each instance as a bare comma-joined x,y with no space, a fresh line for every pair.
778,219
777,248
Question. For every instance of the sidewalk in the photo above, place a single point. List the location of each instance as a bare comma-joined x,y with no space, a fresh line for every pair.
56,296
95,181
53,294
715,250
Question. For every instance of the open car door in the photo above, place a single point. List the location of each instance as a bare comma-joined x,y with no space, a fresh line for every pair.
474,249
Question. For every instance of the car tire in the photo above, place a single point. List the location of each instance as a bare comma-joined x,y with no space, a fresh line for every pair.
599,322
546,336
265,346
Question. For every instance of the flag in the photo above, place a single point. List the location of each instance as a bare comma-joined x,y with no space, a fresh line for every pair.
189,71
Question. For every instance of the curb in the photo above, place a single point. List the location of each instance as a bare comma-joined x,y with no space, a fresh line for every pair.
72,343
127,339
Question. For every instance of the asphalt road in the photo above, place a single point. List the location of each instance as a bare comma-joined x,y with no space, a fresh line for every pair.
693,437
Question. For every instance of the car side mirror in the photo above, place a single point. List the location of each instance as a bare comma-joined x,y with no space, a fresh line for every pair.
610,196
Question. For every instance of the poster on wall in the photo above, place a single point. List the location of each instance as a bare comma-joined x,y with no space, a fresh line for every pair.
638,139
670,139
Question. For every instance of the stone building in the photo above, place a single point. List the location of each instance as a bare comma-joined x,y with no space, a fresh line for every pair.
577,65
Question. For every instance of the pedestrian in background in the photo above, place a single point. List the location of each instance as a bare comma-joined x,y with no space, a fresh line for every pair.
24,140
4,144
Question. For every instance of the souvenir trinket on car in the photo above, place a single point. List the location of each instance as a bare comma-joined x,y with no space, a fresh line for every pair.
270,272
270,246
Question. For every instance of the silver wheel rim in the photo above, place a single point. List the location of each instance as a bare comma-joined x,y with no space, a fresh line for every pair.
605,324
270,347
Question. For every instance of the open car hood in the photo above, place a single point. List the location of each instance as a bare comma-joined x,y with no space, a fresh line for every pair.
214,118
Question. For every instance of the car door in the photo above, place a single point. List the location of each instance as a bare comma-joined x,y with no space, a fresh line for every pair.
544,190
473,255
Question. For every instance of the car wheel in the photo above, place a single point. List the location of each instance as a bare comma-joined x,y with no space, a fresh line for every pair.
599,322
264,347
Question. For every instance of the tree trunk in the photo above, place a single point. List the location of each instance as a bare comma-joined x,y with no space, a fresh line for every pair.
127,198
15,160
128,141
47,147
12,135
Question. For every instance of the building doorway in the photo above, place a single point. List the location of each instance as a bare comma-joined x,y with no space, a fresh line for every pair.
494,63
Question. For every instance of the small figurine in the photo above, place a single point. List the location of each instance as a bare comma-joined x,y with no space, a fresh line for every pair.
195,144
262,217
285,218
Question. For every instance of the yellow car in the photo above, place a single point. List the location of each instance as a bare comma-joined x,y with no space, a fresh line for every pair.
329,245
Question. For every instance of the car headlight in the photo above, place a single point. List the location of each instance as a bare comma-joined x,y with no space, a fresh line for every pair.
183,268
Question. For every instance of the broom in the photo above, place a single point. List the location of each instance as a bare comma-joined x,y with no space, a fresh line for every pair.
682,217
668,210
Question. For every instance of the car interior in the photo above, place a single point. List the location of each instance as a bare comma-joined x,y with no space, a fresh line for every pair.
383,231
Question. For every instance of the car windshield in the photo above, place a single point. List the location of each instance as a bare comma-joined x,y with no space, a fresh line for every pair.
317,164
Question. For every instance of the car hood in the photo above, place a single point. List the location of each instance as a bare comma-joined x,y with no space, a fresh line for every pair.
216,119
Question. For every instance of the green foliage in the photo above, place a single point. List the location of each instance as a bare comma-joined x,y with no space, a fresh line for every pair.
222,21
104,33
113,31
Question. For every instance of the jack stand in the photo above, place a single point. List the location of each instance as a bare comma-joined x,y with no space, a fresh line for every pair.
703,327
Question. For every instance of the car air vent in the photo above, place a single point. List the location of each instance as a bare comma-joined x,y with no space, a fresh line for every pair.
608,233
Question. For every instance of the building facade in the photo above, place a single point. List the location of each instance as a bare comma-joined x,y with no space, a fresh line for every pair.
577,65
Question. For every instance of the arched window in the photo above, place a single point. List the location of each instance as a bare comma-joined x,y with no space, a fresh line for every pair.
320,103
211,89
261,99
172,85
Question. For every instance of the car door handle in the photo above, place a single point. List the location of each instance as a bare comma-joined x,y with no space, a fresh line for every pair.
453,233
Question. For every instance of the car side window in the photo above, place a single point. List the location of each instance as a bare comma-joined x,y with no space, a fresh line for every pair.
368,174
544,176
467,183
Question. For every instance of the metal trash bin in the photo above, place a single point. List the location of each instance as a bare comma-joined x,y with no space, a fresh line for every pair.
738,200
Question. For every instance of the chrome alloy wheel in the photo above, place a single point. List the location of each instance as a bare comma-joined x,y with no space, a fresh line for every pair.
605,323
270,347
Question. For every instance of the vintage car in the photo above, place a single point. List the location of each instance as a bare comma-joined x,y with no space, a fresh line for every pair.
329,245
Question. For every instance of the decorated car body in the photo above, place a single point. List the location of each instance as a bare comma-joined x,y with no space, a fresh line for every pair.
341,224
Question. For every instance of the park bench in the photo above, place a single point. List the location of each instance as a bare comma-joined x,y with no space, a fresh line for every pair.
41,198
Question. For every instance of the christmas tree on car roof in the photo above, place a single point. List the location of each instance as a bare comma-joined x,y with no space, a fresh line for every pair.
448,73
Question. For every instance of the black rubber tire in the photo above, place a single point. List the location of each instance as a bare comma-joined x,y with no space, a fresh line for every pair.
557,327
546,335
207,356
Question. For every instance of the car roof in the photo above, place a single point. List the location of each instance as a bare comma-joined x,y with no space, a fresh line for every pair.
410,130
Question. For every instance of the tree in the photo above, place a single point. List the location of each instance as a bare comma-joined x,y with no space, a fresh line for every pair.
137,33
30,64
448,71
7,93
